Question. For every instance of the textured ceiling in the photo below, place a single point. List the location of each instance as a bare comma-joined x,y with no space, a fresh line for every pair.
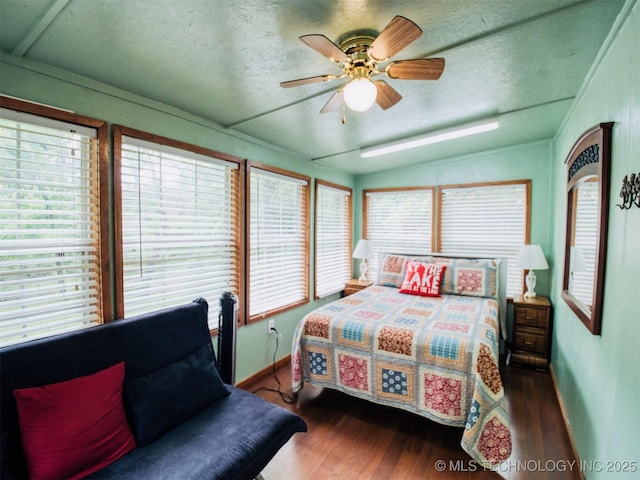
223,60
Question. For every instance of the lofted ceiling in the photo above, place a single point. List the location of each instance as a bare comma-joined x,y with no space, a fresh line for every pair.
222,60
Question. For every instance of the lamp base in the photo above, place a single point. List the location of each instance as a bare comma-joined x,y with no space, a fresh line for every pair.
530,279
363,271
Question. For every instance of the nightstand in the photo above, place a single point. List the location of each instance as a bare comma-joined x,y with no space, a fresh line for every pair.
354,285
531,332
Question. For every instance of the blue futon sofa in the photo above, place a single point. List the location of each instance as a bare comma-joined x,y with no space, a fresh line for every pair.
186,423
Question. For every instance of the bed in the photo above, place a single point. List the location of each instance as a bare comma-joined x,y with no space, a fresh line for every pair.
433,353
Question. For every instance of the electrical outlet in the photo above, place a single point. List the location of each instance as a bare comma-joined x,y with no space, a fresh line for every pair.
272,325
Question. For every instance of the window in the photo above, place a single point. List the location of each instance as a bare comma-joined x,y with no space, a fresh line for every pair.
584,246
53,277
278,240
473,219
177,213
486,219
333,238
398,221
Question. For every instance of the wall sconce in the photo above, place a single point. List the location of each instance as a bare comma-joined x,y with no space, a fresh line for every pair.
630,192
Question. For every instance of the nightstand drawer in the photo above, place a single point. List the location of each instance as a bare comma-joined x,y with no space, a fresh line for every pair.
531,317
530,342
354,285
350,290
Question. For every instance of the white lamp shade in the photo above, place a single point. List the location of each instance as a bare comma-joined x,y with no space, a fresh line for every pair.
360,94
532,258
364,249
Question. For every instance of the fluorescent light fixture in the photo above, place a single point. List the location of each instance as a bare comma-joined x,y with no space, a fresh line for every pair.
433,137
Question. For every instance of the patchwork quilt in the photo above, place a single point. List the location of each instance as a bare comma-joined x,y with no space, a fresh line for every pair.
434,356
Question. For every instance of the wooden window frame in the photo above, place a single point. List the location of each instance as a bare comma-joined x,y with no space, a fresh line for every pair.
102,187
527,219
120,131
436,224
365,232
306,244
318,185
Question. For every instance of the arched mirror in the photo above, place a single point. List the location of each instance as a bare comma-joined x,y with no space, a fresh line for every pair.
588,165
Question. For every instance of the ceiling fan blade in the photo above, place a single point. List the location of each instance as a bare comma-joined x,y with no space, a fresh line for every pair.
334,102
326,47
307,81
387,96
418,69
398,34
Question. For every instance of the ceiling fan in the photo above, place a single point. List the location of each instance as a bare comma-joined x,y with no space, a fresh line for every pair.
360,56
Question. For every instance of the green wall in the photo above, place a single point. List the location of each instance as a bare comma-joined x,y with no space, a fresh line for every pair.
598,376
37,82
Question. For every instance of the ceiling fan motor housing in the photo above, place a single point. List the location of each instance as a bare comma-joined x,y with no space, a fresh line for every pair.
356,47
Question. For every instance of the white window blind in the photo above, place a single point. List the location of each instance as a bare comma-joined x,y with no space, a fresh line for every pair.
486,220
398,221
585,239
179,227
333,239
278,241
49,228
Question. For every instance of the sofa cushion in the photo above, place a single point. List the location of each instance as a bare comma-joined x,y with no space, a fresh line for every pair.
73,428
164,398
232,439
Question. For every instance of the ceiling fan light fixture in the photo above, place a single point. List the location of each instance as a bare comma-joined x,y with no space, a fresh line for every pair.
360,94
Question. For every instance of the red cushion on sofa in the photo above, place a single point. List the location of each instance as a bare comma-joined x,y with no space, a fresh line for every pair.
73,428
422,279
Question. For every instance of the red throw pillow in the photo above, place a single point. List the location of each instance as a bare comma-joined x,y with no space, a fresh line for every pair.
423,279
73,428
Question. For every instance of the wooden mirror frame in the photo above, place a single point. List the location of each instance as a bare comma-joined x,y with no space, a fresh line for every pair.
590,156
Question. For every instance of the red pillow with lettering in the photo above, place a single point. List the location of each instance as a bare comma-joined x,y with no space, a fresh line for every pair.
73,428
423,279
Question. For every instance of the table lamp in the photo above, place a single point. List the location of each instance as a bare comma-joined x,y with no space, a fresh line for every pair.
363,250
531,258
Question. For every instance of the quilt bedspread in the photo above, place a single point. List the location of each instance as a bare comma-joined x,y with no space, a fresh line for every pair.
435,357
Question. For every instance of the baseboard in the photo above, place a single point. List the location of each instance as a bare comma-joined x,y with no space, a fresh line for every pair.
263,374
565,417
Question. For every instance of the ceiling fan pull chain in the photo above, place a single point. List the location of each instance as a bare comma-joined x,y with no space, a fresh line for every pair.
344,113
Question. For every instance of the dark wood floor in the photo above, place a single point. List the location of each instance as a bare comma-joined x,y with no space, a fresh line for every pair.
354,439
